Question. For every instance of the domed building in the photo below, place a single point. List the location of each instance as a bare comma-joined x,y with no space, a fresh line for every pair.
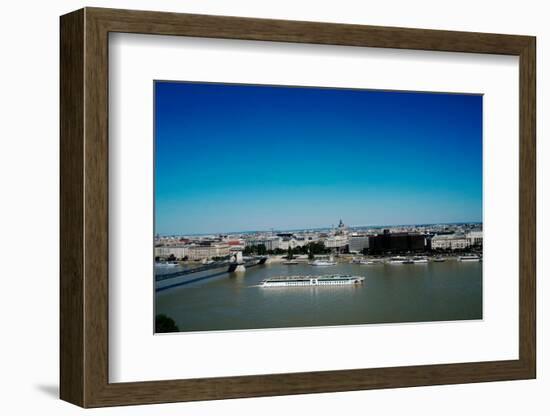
342,228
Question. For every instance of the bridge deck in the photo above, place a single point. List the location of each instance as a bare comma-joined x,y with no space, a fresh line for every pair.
217,269
165,276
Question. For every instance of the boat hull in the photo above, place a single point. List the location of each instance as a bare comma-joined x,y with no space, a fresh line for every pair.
312,281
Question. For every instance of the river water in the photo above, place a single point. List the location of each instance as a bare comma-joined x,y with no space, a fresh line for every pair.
390,294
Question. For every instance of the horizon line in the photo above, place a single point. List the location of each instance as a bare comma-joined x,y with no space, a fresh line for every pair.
317,228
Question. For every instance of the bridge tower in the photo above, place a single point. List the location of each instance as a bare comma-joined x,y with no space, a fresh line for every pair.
238,263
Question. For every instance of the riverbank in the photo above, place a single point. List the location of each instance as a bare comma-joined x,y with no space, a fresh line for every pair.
353,258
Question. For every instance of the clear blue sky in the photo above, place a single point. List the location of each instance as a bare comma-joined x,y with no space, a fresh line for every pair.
244,157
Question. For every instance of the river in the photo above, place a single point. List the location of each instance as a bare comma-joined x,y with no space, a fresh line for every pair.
450,290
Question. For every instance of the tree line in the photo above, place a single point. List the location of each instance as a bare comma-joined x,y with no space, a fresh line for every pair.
311,249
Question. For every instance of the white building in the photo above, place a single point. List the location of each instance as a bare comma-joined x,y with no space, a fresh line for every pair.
179,252
475,237
270,243
286,243
199,252
450,242
310,237
300,241
337,241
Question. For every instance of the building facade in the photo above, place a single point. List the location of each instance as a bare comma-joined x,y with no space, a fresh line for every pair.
336,242
200,252
450,242
357,243
396,243
179,252
476,238
269,243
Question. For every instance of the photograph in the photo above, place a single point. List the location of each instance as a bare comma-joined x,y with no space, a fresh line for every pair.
283,206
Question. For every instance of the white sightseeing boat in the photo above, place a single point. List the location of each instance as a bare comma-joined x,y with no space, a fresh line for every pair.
398,260
323,262
419,260
166,264
369,262
469,257
364,261
325,280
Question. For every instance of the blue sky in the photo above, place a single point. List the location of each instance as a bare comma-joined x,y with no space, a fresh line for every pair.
246,157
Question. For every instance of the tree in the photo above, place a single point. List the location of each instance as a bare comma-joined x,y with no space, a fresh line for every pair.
289,256
318,248
164,323
261,249
301,249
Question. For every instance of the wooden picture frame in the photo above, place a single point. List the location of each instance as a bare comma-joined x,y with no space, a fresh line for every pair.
84,207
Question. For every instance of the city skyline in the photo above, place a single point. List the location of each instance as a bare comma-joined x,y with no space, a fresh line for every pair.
332,226
245,157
